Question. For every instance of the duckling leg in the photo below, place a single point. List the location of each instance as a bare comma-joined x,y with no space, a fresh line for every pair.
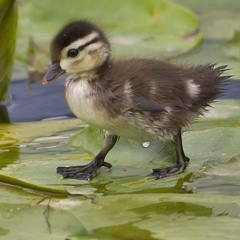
181,159
91,170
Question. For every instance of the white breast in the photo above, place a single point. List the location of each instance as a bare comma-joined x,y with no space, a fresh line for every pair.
82,102
81,99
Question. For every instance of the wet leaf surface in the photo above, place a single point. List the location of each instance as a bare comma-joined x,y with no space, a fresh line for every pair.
219,21
45,222
232,47
136,28
124,201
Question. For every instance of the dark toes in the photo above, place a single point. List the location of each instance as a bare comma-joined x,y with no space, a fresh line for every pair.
85,172
107,165
170,171
65,170
79,176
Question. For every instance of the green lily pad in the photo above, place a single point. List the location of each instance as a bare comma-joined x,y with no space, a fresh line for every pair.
232,47
122,217
136,28
219,20
22,221
124,202
160,216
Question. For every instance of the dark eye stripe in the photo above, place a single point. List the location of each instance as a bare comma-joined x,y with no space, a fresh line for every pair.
88,43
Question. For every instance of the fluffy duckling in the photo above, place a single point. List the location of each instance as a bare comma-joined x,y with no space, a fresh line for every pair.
141,99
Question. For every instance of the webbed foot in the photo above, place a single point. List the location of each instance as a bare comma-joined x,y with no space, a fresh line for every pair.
170,171
91,170
84,172
181,159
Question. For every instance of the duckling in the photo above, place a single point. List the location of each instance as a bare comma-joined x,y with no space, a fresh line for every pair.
140,99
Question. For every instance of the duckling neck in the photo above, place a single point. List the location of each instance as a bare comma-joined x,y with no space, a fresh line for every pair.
87,76
90,75
104,67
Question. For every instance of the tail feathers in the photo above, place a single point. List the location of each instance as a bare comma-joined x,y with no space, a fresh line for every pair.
211,84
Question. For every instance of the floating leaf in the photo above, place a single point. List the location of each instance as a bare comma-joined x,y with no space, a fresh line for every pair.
127,215
218,22
136,28
122,202
232,47
22,221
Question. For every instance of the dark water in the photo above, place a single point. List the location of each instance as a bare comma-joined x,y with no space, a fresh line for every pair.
37,102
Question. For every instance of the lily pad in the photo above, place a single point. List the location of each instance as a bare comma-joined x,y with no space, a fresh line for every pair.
124,202
136,28
219,21
160,216
218,18
232,47
22,221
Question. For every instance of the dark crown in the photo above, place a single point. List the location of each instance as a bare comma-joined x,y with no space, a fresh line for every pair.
72,32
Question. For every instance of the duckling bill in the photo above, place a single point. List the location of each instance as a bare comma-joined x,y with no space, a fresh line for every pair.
141,99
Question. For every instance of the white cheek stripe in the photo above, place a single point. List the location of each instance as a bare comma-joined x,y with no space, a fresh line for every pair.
80,42
193,88
94,46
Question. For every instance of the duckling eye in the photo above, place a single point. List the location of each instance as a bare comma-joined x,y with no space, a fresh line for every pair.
72,53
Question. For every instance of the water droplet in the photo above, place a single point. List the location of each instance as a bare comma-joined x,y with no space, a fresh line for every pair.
146,144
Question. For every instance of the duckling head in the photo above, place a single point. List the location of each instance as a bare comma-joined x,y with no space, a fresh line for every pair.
79,48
